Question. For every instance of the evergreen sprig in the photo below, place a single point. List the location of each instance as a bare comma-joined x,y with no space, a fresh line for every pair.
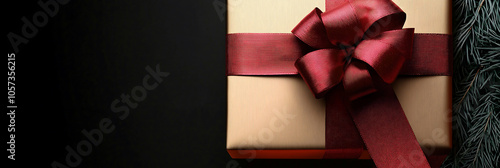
476,84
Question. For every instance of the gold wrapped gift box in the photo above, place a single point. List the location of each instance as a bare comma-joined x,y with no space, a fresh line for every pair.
279,113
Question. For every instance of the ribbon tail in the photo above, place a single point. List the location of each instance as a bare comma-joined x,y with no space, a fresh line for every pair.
342,138
385,130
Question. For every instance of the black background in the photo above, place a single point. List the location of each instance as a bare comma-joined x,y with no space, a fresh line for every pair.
91,52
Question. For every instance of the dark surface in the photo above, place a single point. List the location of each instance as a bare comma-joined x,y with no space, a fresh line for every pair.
91,52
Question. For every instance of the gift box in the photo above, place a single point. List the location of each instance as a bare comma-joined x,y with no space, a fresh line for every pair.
277,116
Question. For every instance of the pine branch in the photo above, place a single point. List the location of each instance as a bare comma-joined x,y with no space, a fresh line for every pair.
476,84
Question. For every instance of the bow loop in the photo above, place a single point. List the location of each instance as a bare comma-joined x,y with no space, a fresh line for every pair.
387,52
322,69
312,31
358,80
342,25
347,22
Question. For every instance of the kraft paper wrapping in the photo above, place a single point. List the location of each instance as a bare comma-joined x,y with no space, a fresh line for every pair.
279,112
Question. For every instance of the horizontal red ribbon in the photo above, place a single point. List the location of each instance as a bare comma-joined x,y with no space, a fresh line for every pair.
276,53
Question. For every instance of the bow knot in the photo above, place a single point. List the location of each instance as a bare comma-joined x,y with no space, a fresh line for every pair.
355,40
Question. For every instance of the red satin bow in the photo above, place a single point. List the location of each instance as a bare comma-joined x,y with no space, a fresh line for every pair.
352,38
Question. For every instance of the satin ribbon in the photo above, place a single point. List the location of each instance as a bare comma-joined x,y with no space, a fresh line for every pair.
351,53
345,52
